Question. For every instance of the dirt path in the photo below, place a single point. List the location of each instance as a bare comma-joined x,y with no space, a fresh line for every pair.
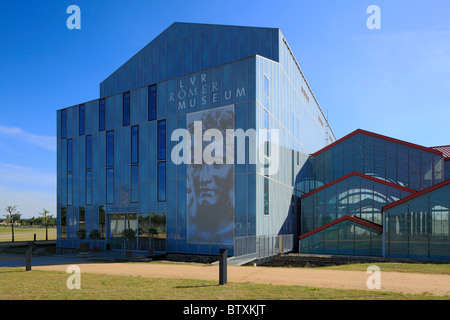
407,283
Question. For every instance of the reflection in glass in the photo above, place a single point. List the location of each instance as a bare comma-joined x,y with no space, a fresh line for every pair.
101,221
63,223
82,218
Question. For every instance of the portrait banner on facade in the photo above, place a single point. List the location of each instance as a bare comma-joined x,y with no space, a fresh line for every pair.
210,179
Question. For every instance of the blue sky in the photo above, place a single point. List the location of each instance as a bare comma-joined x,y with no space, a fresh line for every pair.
393,81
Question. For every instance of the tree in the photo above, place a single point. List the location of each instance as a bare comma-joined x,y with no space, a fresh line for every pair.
46,217
12,216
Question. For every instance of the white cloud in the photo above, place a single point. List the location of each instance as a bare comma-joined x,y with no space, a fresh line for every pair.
46,142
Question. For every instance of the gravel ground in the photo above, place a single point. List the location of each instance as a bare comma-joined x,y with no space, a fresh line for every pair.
407,283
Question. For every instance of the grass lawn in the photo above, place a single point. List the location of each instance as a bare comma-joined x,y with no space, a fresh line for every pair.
26,234
17,284
397,267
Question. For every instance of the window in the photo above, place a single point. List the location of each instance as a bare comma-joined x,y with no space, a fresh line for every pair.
101,115
88,145
63,223
69,189
135,183
109,148
82,218
110,185
162,140
152,103
266,196
101,221
162,181
82,119
88,187
134,144
126,109
69,155
63,124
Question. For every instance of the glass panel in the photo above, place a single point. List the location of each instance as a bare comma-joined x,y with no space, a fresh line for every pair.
158,231
143,231
418,231
82,120
440,228
69,189
346,238
101,221
266,86
63,223
109,148
205,49
152,103
134,144
82,218
161,181
69,155
162,140
126,109
266,119
63,124
110,185
266,196
101,115
88,153
88,187
116,225
134,183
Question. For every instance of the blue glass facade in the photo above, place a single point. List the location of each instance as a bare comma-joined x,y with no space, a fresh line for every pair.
236,78
118,157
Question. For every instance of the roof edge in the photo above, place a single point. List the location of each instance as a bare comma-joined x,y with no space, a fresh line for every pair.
355,173
376,135
354,219
418,194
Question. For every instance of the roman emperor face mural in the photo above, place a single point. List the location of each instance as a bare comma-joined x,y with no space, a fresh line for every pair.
210,187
